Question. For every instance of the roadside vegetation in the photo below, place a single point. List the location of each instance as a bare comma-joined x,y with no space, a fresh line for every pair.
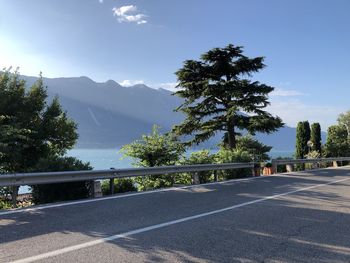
219,96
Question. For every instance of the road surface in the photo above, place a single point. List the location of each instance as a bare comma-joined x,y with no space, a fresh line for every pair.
299,217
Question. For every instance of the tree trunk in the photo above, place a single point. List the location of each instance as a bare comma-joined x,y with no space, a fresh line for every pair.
231,135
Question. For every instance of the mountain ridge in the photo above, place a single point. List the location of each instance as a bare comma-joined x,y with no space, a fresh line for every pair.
110,115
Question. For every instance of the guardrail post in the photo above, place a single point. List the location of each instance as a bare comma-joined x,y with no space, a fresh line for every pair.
111,186
290,167
195,178
92,188
14,194
274,167
215,176
335,164
97,189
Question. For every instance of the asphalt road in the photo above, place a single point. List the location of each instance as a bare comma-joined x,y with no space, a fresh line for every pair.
300,217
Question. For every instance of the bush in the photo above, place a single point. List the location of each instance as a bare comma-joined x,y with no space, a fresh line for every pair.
121,185
48,193
4,204
153,150
199,157
151,182
233,156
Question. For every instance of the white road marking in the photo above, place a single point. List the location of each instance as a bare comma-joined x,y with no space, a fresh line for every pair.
162,225
41,207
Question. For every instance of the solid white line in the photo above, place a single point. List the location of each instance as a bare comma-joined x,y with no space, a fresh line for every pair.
162,225
36,208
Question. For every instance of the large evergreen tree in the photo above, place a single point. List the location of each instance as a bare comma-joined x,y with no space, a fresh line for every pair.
219,97
315,137
302,137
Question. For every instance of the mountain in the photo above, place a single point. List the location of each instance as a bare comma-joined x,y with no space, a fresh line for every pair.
110,115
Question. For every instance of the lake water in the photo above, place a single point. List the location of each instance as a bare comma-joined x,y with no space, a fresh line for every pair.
102,159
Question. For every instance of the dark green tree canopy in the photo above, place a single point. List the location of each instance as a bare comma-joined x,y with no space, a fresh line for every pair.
302,137
316,137
344,120
219,97
337,144
257,150
30,128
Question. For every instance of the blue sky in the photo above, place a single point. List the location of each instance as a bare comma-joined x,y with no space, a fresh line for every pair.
306,44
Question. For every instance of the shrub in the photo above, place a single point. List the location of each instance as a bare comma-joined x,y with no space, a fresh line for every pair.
47,193
233,156
121,185
4,204
199,157
152,150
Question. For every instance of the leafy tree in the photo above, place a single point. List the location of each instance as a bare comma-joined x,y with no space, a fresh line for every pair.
337,144
302,137
218,96
154,150
315,137
257,150
344,119
31,129
48,193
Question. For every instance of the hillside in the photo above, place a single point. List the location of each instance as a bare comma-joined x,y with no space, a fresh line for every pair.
110,115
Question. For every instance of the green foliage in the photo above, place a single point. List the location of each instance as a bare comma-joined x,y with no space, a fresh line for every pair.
233,156
344,120
30,128
34,135
302,137
337,144
199,157
257,150
315,137
268,164
4,204
121,185
313,155
47,193
154,150
216,92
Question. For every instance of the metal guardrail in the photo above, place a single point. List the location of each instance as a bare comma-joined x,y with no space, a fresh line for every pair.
18,179
276,162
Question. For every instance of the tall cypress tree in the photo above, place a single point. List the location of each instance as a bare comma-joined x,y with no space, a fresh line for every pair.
303,136
316,137
219,97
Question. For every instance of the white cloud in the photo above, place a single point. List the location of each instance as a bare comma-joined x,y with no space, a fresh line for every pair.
128,82
168,86
294,110
128,13
278,92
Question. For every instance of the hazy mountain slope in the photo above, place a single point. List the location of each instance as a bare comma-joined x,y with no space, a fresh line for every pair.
138,102
110,115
